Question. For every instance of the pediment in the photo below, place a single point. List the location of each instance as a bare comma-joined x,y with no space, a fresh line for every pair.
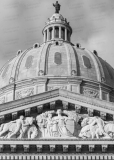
53,96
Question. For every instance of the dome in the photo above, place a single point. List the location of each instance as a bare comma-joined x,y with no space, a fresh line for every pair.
57,63
56,16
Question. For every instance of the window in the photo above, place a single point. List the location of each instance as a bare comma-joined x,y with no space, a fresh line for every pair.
50,33
29,62
86,62
56,32
58,58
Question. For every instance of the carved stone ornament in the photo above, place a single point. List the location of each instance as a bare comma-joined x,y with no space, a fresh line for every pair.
41,73
55,87
2,100
90,93
58,124
24,93
95,127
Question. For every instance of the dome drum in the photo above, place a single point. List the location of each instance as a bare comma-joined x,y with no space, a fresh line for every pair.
32,87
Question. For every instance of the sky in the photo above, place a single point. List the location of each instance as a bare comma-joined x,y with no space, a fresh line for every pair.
22,21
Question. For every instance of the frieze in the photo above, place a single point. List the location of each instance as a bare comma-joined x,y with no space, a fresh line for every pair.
58,124
24,93
90,93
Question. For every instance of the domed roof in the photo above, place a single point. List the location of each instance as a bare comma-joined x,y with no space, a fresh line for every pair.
57,16
61,59
56,63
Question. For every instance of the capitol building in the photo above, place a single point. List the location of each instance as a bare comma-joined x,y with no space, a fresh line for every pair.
57,100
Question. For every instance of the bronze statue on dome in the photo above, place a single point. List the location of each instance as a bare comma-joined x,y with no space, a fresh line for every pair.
57,7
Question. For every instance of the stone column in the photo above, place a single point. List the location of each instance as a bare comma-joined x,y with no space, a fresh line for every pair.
59,31
108,97
53,32
65,34
44,36
48,34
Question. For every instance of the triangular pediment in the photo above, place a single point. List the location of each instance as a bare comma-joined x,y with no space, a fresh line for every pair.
55,95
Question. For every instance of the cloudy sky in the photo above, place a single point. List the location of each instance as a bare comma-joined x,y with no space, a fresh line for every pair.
22,21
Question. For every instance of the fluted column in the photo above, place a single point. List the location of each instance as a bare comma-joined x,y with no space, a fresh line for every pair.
53,32
65,34
59,31
44,36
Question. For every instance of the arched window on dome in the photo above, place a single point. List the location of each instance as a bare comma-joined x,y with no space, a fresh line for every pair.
56,32
86,62
58,58
63,33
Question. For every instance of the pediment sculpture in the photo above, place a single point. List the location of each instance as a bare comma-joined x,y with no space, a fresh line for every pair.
57,124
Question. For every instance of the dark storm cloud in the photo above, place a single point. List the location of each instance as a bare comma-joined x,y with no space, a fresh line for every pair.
22,22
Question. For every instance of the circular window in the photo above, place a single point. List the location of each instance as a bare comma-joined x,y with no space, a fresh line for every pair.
58,58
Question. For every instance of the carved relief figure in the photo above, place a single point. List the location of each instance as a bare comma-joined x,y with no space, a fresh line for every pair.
95,127
53,126
16,128
61,125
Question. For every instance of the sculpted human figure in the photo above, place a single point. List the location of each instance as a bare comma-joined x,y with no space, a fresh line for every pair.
100,130
21,122
61,125
18,122
50,125
93,126
16,128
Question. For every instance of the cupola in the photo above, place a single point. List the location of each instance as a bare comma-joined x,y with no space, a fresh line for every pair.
57,27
